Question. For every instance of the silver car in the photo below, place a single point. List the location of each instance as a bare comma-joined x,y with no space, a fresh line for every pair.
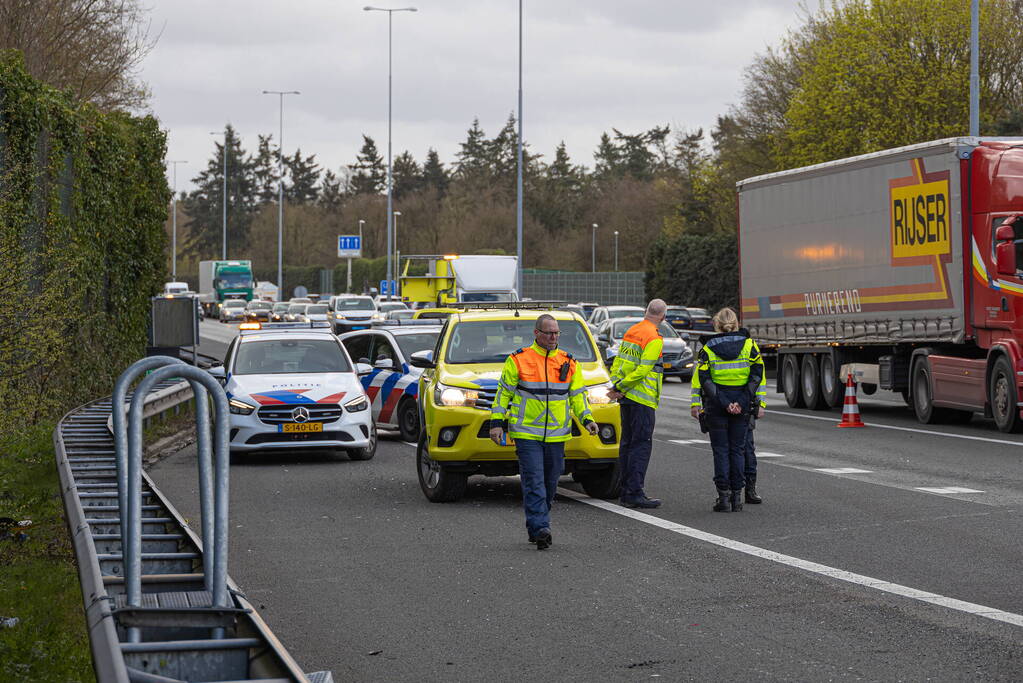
676,356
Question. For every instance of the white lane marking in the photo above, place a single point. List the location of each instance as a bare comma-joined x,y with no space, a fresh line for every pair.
805,565
947,489
841,470
687,442
768,454
772,411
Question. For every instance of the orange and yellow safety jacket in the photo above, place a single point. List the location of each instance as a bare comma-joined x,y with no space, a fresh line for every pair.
638,369
538,391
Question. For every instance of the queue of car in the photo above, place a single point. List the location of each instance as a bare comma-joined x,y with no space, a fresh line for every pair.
328,375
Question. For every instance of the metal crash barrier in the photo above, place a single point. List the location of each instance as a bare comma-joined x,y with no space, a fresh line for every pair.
160,607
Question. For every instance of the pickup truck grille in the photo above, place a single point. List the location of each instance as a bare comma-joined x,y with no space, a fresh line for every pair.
275,415
485,400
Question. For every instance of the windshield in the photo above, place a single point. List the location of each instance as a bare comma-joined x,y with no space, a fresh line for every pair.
316,308
624,312
486,296
619,329
492,341
296,308
699,311
400,315
677,313
259,306
420,341
355,303
281,307
235,280
281,356
234,303
392,306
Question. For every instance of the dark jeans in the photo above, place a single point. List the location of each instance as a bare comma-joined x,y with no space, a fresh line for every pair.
728,439
540,465
634,451
750,455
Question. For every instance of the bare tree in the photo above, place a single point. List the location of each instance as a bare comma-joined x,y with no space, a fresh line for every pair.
93,48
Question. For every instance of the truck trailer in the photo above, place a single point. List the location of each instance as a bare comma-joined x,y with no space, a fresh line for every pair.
900,267
220,280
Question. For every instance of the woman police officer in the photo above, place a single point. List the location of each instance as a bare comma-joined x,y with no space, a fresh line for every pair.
728,386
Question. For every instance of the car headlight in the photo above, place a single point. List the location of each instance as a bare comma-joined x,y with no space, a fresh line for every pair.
444,395
357,405
686,351
597,394
240,407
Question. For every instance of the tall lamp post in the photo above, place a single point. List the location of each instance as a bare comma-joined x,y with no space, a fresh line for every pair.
223,252
174,222
616,251
390,215
280,191
593,252
518,179
397,256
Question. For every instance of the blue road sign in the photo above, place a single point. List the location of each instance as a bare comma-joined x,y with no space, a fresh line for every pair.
388,291
349,246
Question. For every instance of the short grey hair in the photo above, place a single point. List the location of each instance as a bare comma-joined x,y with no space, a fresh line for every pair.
540,321
656,307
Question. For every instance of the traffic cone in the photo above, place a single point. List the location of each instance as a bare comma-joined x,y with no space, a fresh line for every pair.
851,409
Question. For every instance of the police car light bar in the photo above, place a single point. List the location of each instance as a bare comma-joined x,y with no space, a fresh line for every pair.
506,305
408,322
280,327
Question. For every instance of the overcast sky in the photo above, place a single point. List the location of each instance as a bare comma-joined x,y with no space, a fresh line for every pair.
589,65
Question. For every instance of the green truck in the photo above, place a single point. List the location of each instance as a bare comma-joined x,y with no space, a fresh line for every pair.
220,280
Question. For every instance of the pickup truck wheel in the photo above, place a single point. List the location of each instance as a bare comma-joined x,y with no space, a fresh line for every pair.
1003,397
408,420
790,380
438,486
602,483
369,451
832,387
810,383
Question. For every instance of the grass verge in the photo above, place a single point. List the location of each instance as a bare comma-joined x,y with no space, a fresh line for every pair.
38,577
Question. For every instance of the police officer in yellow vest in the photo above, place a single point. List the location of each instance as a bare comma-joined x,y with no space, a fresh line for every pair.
637,373
540,387
728,386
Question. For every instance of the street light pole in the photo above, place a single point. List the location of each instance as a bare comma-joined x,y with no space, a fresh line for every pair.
975,68
397,256
280,191
390,183
593,252
223,252
616,251
174,222
518,181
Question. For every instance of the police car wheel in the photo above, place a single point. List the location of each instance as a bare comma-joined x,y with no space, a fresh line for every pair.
369,451
602,483
438,485
408,420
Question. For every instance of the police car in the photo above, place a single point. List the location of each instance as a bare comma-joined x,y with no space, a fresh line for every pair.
293,386
392,384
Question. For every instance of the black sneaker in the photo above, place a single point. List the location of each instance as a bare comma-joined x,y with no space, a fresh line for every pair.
644,502
543,539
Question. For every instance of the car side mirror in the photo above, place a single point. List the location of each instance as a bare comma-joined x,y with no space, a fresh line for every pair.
422,359
363,368
385,363
1005,258
218,373
1006,231
602,337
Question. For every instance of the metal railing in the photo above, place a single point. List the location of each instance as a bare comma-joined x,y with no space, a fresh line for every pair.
158,608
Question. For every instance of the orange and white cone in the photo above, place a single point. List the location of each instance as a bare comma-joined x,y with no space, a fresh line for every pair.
851,409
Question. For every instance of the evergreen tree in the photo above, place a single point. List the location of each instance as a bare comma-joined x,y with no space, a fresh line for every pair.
473,158
406,175
331,193
266,169
434,173
607,158
369,175
502,152
305,175
204,204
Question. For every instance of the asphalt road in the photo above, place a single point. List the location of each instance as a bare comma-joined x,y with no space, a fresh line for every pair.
840,574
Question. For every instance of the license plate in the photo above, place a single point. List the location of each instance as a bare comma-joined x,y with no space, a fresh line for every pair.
300,427
667,366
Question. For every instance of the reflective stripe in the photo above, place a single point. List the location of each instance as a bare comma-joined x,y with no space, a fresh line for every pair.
651,361
543,386
577,392
502,385
497,410
730,365
586,414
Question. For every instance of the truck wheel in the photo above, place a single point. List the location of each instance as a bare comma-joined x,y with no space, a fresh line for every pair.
810,383
790,380
832,386
408,420
603,483
438,486
1003,397
921,397
369,451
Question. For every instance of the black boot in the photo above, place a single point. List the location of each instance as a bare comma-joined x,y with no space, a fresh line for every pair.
751,490
722,502
737,501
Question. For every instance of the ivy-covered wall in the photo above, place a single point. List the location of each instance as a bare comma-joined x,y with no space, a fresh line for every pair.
83,198
695,270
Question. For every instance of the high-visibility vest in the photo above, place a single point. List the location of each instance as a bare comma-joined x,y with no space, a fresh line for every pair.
533,399
639,369
729,371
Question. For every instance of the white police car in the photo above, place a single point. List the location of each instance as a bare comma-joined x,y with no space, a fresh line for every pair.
293,386
392,384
